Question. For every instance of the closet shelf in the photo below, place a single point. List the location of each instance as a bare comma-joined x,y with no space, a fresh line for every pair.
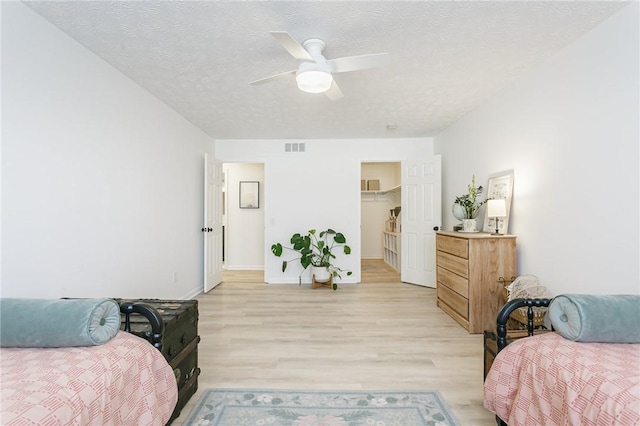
391,249
383,192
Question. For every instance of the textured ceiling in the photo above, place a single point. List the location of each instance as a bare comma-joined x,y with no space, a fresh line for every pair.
447,57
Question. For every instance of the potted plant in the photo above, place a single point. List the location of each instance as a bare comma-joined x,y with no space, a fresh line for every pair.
316,250
466,207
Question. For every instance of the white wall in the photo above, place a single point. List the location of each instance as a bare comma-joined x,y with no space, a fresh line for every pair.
570,131
318,188
101,182
245,227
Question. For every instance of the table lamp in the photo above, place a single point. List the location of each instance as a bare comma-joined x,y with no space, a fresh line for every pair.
495,209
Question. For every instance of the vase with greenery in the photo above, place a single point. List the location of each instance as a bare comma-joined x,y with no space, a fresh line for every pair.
468,205
317,250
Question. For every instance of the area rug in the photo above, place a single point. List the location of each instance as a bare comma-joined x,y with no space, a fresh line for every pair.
229,407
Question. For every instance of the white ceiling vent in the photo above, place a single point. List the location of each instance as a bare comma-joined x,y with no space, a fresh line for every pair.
294,147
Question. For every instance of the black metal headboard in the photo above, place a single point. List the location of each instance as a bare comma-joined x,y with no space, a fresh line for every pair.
508,308
151,314
503,318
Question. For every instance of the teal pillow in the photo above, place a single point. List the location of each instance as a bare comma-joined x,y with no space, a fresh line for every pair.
52,323
596,318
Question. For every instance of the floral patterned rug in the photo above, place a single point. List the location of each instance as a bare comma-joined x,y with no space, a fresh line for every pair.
229,407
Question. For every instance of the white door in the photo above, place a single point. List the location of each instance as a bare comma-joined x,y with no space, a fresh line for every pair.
212,229
420,213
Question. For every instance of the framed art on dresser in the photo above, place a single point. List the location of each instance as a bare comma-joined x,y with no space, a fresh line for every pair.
500,187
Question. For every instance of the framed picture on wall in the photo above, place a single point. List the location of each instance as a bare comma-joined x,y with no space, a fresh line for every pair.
500,187
249,195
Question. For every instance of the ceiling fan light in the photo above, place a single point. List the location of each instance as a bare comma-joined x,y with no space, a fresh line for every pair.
312,81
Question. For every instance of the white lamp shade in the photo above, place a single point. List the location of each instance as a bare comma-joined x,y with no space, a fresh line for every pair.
496,208
312,81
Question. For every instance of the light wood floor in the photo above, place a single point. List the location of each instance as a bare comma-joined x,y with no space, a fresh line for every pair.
378,335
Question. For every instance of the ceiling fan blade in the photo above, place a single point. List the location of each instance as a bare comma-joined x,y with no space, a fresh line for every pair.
280,76
294,48
334,93
354,63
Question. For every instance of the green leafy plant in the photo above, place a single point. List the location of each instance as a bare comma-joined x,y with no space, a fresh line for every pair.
469,202
315,249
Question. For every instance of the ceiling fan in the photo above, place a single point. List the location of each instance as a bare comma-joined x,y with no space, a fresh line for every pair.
315,73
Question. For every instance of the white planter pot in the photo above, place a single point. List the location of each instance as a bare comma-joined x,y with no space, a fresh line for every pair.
321,273
469,225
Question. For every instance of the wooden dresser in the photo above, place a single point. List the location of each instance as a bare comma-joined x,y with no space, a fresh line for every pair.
468,268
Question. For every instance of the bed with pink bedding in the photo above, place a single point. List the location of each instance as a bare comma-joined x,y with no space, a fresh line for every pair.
550,380
125,381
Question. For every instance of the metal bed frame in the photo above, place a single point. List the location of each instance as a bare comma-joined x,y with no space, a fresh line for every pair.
503,318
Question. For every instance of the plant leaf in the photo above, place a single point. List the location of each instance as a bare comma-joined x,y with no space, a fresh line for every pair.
276,249
284,265
339,238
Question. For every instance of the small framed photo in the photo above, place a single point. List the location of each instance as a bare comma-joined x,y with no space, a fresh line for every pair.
500,186
249,195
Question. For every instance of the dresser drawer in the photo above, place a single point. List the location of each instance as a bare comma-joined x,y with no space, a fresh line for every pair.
455,264
452,299
456,246
453,281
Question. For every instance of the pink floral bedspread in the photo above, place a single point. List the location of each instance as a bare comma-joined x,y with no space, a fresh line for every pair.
549,380
123,382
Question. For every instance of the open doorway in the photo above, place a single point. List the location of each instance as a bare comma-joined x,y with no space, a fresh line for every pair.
380,221
243,217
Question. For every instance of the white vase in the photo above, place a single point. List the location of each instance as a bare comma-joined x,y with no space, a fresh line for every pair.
322,274
469,225
458,211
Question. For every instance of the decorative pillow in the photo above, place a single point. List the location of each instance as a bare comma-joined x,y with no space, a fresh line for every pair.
51,323
596,318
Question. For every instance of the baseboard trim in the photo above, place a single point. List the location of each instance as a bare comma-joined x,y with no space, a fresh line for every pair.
193,293
244,268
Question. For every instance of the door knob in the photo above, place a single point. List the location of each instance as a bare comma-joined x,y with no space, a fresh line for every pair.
436,228
209,229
